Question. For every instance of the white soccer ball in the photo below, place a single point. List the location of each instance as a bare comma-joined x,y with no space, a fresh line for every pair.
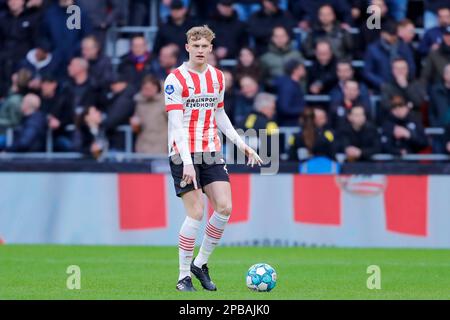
261,277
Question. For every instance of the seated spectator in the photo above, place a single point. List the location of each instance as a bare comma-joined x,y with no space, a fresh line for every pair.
263,118
248,89
432,38
149,121
402,84
30,134
306,12
66,43
369,36
439,112
230,95
117,107
328,28
174,30
380,54
136,64
434,64
280,51
100,67
344,72
262,23
291,100
166,62
248,65
58,108
322,75
358,139
10,109
352,97
315,139
402,133
407,33
19,29
231,33
40,61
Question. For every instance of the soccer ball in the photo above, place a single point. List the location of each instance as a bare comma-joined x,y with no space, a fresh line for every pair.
261,277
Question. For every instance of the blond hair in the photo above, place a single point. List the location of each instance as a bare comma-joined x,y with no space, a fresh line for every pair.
196,33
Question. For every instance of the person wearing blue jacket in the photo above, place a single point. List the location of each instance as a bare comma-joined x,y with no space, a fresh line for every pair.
433,37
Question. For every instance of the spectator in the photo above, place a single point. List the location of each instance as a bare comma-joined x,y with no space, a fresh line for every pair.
138,12
344,72
280,52
80,86
315,139
40,61
352,97
430,18
31,133
100,66
150,118
322,75
262,23
291,100
432,38
407,33
329,29
245,98
380,54
174,30
231,33
434,64
117,107
402,133
402,84
263,118
10,110
66,43
370,36
447,139
440,101
166,62
136,64
103,14
59,110
248,65
230,94
306,11
18,31
358,139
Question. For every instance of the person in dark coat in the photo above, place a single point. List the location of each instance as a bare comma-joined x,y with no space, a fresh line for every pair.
248,89
433,68
100,66
262,22
31,133
291,100
136,64
381,54
231,33
306,11
166,62
248,65
174,30
358,139
439,112
402,134
316,138
433,37
322,75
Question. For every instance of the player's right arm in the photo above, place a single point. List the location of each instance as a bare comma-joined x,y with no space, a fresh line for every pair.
177,133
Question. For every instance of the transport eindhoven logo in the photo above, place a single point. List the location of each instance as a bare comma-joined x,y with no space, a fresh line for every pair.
362,185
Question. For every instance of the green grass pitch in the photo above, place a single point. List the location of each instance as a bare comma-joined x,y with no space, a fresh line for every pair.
139,272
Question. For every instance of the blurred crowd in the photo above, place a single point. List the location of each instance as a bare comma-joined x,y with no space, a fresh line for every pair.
286,54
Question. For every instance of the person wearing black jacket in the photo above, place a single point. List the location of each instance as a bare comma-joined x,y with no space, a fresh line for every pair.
231,33
401,133
358,139
262,22
322,75
30,135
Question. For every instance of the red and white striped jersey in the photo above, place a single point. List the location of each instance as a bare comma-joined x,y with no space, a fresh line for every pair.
198,94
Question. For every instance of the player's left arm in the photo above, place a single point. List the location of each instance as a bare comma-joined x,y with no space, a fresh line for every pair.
224,125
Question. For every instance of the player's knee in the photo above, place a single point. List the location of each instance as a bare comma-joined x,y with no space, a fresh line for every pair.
224,208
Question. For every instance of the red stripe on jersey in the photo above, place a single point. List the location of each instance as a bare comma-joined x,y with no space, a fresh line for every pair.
171,107
183,83
196,80
206,130
220,105
220,78
192,129
216,136
209,82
